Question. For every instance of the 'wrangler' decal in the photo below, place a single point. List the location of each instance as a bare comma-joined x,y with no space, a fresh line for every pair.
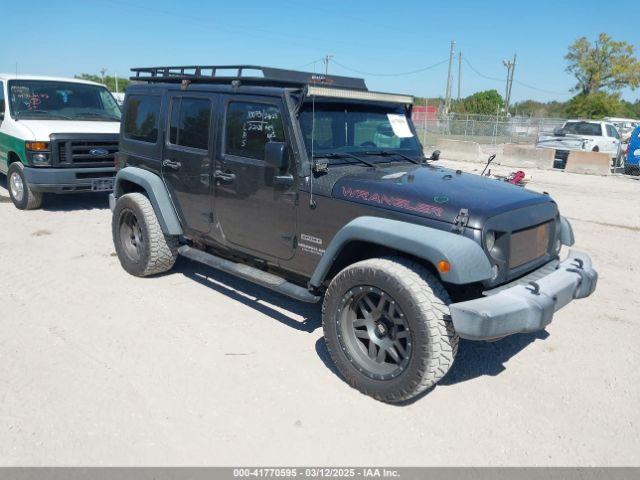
391,201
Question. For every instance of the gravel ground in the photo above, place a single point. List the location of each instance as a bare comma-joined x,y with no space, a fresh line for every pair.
198,368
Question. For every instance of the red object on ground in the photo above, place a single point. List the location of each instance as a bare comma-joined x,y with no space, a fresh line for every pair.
516,177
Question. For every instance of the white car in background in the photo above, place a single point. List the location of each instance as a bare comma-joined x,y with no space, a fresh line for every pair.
583,135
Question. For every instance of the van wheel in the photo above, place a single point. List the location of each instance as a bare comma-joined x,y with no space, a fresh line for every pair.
22,196
387,327
142,248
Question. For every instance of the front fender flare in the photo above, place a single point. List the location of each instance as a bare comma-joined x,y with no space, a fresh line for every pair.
468,261
157,194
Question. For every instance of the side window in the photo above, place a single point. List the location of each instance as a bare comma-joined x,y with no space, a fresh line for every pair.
2,103
141,118
189,122
249,126
612,132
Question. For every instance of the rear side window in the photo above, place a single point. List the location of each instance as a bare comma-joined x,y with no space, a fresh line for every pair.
583,128
141,118
612,131
2,105
249,126
189,123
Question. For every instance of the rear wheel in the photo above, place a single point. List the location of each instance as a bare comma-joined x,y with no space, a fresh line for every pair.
22,196
387,327
142,248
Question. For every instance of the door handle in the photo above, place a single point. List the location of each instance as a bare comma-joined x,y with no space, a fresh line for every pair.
224,177
171,164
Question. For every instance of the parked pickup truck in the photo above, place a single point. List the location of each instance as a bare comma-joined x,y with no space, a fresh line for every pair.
57,135
582,135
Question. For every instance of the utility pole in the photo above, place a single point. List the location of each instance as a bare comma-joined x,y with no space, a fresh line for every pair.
511,66
447,104
116,76
459,72
102,72
326,60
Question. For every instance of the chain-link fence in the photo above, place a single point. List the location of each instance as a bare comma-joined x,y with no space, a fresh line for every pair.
484,129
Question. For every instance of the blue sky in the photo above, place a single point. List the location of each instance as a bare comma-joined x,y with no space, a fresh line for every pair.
66,37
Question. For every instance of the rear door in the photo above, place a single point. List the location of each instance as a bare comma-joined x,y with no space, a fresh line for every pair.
252,211
187,159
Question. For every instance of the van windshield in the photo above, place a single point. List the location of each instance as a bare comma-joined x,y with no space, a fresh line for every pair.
357,129
61,101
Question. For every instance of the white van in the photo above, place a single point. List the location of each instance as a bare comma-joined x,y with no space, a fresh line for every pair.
57,135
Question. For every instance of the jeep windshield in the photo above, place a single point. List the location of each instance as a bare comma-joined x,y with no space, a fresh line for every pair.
340,131
31,99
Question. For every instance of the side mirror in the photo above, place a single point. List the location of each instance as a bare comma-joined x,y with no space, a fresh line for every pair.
435,155
275,156
2,107
558,131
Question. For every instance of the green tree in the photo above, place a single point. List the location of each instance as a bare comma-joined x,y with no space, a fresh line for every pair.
109,81
603,64
594,105
483,103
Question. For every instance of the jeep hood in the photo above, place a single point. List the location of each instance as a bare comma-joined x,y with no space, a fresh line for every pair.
41,129
434,192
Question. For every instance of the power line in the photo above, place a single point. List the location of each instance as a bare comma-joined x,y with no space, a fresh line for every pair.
466,60
551,92
413,72
501,80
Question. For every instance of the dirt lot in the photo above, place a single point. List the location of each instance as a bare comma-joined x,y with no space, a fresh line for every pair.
196,367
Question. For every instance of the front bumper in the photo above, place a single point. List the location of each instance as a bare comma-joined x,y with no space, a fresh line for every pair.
525,308
68,180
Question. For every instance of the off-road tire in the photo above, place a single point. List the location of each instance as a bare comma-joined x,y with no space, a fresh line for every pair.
159,251
424,302
30,200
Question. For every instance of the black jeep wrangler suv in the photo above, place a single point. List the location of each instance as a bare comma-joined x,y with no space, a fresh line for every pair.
317,188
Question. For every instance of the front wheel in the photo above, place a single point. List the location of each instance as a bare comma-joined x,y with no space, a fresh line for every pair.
142,248
387,327
22,196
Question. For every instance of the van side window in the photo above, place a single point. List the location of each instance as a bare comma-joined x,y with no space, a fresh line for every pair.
612,132
249,126
189,122
141,118
2,103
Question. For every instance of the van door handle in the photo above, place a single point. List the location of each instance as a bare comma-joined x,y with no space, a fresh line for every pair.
224,177
171,164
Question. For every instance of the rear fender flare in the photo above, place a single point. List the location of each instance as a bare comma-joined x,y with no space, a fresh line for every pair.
468,261
157,193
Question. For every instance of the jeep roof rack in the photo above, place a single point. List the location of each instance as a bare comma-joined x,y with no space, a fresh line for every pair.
246,74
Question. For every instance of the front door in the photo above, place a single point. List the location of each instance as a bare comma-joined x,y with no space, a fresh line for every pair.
186,163
252,211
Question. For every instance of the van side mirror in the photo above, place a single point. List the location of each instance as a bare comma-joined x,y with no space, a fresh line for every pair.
2,107
275,156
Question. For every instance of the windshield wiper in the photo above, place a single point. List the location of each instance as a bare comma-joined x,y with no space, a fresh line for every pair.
42,112
389,153
95,114
344,155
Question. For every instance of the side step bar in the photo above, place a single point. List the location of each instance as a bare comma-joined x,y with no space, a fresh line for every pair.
265,279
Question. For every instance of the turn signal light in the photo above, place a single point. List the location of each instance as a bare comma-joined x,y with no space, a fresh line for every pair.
444,266
37,146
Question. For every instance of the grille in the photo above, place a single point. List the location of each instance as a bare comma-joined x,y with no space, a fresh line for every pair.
87,153
562,155
528,245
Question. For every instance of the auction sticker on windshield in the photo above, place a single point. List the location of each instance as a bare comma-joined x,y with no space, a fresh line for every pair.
399,125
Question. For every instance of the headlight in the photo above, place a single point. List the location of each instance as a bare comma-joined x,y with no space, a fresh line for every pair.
490,240
40,160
